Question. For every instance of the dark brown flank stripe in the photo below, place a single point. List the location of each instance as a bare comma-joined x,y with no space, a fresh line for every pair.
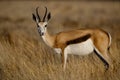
78,40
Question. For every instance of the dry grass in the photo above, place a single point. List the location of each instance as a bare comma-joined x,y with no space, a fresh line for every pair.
24,56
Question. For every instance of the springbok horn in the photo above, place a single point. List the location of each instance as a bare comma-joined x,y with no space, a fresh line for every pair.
45,14
38,14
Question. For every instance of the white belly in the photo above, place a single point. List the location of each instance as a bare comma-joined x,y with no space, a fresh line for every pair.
83,48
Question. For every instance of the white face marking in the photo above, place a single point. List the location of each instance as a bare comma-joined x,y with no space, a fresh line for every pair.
83,48
42,27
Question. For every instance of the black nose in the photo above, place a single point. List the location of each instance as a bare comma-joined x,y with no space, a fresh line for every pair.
42,34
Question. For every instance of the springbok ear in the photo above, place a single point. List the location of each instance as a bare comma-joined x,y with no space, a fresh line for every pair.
34,18
49,16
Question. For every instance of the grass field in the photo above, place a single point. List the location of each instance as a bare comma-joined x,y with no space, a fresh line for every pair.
24,55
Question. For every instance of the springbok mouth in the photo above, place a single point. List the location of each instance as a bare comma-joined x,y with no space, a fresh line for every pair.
41,34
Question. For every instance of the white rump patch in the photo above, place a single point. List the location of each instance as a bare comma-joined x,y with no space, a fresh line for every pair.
82,48
110,39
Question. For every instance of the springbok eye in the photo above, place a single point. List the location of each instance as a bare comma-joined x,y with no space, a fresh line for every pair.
45,25
37,25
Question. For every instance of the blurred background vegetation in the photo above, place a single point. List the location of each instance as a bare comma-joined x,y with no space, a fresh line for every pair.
24,55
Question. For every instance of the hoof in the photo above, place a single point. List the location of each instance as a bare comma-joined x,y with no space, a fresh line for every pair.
106,67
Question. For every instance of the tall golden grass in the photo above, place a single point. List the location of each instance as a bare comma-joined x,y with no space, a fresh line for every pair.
24,55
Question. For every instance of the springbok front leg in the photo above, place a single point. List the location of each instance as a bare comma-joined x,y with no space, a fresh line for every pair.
65,58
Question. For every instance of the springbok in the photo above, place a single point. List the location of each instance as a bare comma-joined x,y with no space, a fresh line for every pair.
78,42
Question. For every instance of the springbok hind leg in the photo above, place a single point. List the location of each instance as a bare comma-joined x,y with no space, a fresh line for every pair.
103,56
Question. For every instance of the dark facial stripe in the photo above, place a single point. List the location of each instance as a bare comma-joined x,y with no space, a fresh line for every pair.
78,40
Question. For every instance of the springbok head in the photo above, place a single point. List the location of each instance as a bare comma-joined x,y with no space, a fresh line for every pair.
41,23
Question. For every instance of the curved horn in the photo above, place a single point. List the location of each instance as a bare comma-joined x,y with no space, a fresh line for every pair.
38,14
45,14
